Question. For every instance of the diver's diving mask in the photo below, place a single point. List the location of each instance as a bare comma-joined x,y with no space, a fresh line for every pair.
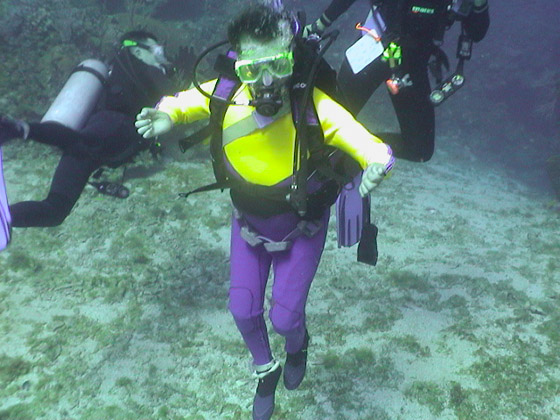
156,50
279,66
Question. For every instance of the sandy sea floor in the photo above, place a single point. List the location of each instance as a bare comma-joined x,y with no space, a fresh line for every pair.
121,312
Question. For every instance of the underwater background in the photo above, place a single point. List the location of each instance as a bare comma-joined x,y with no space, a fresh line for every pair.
121,312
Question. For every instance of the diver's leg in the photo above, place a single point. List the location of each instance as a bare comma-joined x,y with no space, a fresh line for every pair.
356,89
415,113
249,273
70,178
294,271
54,134
249,268
10,128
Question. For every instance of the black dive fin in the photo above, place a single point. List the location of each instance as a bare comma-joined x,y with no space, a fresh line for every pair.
111,188
367,248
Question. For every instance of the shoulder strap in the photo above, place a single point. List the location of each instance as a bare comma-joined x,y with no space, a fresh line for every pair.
226,86
311,137
225,89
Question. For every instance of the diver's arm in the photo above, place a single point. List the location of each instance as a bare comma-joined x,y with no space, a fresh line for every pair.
183,108
341,130
187,106
332,12
337,8
477,23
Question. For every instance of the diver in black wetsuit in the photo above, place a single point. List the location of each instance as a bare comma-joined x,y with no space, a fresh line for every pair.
139,76
417,26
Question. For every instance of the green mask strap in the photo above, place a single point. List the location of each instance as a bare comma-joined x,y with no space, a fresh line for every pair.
129,43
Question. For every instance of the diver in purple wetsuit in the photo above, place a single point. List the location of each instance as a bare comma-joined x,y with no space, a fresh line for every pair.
256,150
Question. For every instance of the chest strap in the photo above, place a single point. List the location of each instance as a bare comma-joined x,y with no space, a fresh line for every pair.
248,125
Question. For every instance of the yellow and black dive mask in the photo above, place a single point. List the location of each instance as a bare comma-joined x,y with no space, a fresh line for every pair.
279,66
266,78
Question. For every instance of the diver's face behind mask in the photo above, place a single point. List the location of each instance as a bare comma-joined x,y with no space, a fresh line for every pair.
266,69
149,52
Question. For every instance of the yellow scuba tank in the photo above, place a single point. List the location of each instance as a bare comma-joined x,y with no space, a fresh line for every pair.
79,95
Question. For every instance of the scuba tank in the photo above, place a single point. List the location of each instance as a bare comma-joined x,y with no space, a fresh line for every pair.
79,95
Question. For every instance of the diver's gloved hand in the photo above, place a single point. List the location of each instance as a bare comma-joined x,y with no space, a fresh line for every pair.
372,177
11,128
151,122
318,27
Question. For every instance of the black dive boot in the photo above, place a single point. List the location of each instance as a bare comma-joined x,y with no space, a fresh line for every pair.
263,404
296,363
11,128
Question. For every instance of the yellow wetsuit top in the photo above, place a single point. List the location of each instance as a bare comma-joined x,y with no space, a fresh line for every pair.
265,156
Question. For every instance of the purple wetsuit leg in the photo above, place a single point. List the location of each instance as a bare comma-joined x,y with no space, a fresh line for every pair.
294,270
249,268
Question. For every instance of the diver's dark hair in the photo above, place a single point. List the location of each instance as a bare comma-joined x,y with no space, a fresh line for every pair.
138,35
259,22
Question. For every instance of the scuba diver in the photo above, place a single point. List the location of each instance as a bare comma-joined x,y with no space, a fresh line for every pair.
264,117
400,42
92,121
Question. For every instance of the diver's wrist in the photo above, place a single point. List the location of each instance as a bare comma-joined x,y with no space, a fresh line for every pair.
321,24
391,162
325,21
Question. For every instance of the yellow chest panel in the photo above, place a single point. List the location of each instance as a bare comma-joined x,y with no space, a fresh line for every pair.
265,156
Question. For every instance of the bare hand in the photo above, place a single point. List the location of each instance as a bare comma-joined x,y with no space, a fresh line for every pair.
372,177
151,122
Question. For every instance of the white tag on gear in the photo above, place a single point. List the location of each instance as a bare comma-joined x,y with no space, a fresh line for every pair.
365,50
